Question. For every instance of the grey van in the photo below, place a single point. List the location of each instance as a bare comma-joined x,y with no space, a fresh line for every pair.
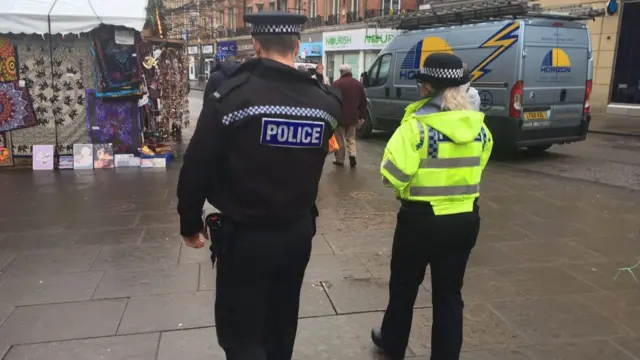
534,77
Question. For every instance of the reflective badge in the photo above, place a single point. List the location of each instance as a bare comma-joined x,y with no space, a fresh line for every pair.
291,133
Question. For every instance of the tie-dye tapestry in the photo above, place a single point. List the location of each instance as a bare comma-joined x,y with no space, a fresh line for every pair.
8,61
58,100
15,107
113,121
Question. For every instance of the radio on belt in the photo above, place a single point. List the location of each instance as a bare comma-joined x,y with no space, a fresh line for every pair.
292,133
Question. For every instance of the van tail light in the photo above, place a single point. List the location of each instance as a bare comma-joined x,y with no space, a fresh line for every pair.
515,104
587,97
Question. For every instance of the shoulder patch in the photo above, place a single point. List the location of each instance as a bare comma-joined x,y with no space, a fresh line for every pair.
292,133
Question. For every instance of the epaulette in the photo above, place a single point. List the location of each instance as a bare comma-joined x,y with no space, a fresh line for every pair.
228,85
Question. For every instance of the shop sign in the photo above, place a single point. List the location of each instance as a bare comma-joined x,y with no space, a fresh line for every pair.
310,49
192,50
225,49
207,49
360,39
245,47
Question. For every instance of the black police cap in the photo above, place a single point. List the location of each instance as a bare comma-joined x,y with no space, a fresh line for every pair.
275,23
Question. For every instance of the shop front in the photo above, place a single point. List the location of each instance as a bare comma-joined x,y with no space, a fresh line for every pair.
357,48
245,49
310,52
193,61
206,61
226,50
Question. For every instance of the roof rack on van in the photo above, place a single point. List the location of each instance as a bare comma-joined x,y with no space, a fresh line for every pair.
438,13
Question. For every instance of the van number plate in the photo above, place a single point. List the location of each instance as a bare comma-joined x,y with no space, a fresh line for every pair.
536,115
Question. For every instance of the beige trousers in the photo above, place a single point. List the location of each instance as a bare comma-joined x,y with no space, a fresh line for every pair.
346,138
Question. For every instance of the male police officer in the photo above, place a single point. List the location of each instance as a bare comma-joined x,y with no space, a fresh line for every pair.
263,137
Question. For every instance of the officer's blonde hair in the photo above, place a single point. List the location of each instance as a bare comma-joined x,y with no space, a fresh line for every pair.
455,98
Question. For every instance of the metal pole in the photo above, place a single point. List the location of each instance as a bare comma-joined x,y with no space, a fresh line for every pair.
53,79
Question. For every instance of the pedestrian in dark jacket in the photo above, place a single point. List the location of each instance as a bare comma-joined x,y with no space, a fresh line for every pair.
219,74
354,107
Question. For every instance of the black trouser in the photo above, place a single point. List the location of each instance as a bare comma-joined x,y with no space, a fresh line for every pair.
258,290
443,242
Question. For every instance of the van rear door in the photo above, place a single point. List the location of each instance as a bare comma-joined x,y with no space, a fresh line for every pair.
555,74
573,45
538,95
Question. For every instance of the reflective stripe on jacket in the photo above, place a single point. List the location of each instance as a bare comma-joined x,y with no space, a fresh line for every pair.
438,157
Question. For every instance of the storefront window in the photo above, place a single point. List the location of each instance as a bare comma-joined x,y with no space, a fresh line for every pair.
626,79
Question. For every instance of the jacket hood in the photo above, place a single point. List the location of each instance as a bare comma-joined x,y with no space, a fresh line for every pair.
227,68
462,127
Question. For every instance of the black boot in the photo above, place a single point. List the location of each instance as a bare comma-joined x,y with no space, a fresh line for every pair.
376,338
378,341
352,161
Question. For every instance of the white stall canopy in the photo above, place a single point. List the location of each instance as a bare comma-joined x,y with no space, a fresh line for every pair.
69,16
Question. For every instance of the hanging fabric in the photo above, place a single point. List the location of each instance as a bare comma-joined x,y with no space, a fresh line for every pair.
16,111
117,69
8,61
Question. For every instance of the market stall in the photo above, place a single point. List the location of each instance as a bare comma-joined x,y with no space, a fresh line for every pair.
77,76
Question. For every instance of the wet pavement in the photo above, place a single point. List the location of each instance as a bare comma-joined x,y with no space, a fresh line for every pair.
92,265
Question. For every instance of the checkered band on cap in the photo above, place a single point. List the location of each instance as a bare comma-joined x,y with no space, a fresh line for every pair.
275,29
443,73
291,111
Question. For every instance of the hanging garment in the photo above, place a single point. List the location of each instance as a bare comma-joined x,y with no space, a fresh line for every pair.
117,69
8,61
114,122
172,79
16,111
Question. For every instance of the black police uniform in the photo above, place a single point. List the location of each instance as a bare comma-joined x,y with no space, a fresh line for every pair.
257,155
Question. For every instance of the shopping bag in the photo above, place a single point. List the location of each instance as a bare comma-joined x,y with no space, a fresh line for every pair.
333,144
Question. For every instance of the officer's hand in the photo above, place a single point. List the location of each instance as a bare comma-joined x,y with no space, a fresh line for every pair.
195,241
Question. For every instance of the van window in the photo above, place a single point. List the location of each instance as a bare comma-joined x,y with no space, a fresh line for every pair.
380,70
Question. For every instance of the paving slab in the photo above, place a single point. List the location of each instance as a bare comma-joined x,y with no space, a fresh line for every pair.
26,242
137,257
111,237
196,344
168,312
141,282
101,221
337,337
621,306
560,319
138,347
335,267
366,295
543,281
483,329
67,321
52,261
22,290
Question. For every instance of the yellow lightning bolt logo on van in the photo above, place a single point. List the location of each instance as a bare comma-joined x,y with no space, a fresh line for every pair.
502,41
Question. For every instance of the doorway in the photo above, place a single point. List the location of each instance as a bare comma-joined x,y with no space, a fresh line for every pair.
626,76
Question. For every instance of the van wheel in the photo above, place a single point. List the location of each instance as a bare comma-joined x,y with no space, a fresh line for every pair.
365,131
538,148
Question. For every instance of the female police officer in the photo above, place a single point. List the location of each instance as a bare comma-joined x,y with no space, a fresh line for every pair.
434,161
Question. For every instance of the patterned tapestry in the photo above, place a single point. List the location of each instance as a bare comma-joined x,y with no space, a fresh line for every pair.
8,61
15,107
117,67
58,100
113,121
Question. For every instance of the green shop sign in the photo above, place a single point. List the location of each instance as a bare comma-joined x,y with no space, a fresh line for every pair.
378,39
358,40
338,41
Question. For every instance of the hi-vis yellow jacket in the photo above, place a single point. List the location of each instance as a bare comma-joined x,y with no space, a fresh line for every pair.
438,157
